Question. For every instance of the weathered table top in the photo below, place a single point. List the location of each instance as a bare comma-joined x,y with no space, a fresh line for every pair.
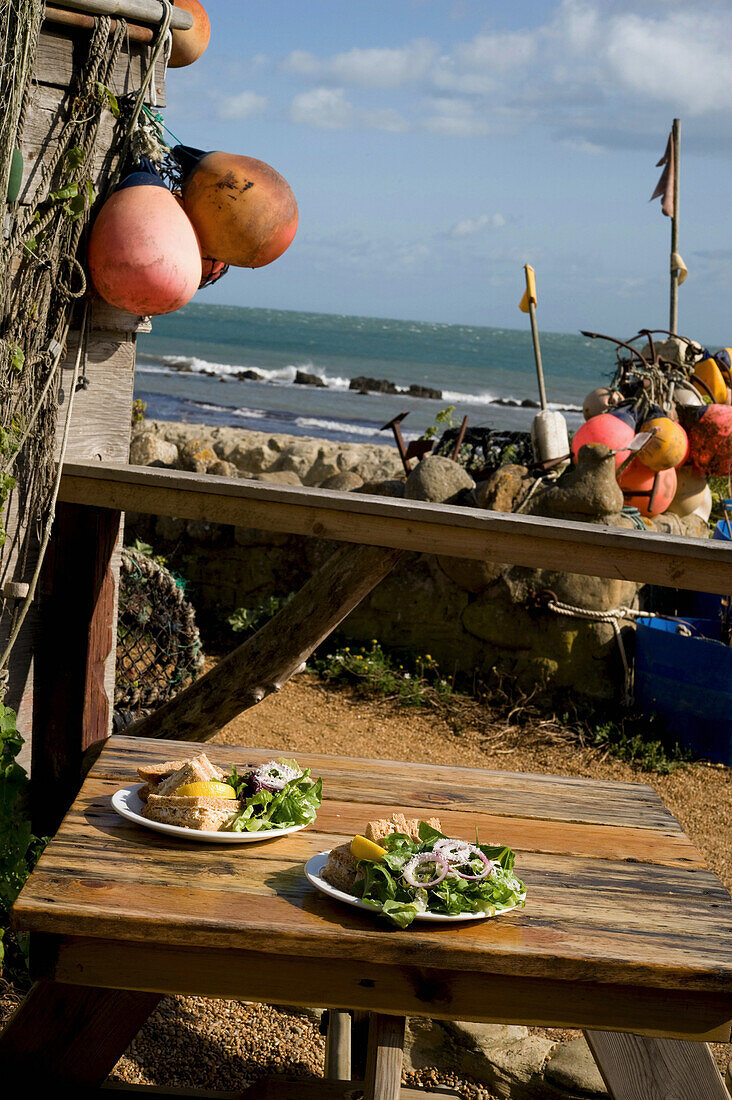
624,927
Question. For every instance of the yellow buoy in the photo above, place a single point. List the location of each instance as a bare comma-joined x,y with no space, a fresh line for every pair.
710,382
668,447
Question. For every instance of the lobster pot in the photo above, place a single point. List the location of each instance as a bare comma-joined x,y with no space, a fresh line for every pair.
687,680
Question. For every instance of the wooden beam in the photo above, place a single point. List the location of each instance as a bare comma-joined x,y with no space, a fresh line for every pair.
699,564
635,1067
76,635
70,1034
143,11
266,661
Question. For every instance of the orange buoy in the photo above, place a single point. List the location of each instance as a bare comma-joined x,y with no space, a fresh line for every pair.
709,428
605,428
649,491
189,45
709,380
668,447
243,211
144,256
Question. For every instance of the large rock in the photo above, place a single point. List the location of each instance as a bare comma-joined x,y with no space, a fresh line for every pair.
343,483
390,487
572,1068
278,477
587,490
149,449
372,385
503,489
196,456
437,479
303,378
503,1056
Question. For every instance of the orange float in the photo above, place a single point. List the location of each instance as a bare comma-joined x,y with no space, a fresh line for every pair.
709,380
605,428
189,45
668,447
649,491
244,212
144,256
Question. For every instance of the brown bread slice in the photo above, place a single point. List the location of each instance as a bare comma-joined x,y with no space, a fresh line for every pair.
198,770
340,870
191,813
398,823
156,773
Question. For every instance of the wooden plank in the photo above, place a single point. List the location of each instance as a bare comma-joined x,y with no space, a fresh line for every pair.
385,1057
72,707
69,1033
697,564
100,426
143,11
61,54
640,1068
338,1046
415,989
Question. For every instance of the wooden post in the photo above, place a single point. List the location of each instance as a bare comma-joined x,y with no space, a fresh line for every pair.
385,1056
72,709
674,304
531,302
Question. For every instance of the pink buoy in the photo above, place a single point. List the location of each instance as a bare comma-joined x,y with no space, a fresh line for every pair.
649,491
709,428
144,255
607,429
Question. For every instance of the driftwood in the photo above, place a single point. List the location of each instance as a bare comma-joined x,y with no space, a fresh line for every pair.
265,662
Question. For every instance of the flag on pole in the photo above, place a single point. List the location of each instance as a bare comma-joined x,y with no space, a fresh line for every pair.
665,186
530,292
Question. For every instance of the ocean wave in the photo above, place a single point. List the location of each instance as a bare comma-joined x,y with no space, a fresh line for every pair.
484,398
509,402
244,414
191,364
316,422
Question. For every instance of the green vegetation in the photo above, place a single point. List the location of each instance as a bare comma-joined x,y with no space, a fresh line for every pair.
630,738
19,848
443,420
248,620
138,411
373,672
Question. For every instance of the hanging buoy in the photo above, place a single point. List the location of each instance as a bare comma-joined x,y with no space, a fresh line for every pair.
709,380
686,394
607,429
549,436
600,401
693,496
709,428
189,45
668,447
626,413
243,211
144,256
649,491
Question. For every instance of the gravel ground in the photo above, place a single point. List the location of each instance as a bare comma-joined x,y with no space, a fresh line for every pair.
227,1045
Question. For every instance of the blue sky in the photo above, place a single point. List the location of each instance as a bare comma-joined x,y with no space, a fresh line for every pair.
435,146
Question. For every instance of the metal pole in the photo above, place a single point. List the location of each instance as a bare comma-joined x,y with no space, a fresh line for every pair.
674,305
142,11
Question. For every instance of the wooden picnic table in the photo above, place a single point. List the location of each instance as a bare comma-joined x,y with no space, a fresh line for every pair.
625,932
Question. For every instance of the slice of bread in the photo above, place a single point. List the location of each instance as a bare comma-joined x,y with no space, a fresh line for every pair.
398,823
191,813
155,773
197,770
340,870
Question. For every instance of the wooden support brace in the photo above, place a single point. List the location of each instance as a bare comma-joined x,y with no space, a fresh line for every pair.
70,1034
385,1056
75,639
338,1046
635,1067
265,662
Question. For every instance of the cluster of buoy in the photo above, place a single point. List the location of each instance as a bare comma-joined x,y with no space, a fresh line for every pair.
690,437
150,249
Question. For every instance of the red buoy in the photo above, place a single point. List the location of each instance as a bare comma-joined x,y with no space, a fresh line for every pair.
144,256
709,428
243,211
605,428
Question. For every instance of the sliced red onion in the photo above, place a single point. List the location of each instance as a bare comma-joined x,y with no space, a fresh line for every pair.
466,857
451,848
416,861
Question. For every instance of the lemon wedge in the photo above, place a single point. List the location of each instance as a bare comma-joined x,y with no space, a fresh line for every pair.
361,848
208,788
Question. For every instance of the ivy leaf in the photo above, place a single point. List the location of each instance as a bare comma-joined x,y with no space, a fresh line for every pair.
105,93
74,158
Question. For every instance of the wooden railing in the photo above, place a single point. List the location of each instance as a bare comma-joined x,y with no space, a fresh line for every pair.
698,564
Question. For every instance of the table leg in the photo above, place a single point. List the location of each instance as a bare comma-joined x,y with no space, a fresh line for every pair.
338,1046
638,1068
385,1055
69,1033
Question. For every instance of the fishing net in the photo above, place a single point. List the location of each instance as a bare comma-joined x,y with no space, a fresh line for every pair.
158,644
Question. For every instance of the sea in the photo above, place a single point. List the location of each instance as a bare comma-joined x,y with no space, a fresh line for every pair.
188,368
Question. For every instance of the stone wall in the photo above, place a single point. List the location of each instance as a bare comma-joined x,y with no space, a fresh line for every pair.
472,617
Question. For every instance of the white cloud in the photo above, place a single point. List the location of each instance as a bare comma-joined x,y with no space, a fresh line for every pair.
327,108
455,117
367,68
468,227
243,105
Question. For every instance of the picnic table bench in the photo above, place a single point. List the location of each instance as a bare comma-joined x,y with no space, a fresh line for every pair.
625,933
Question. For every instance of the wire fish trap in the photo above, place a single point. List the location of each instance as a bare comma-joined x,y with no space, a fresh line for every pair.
158,644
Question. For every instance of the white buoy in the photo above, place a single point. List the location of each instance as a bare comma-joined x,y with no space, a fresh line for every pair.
550,436
693,496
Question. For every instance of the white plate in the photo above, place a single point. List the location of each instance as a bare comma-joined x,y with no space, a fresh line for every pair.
127,804
314,868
